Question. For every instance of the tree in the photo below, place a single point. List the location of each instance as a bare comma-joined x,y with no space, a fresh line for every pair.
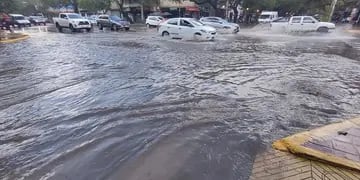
9,6
95,5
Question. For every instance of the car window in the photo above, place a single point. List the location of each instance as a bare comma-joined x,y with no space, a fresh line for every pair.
308,20
104,17
205,19
115,18
74,16
173,22
185,23
281,20
296,20
153,18
19,17
62,16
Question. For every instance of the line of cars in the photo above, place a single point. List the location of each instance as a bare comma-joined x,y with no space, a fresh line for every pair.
18,20
76,22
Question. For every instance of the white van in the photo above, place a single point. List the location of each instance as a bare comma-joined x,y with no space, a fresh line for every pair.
268,16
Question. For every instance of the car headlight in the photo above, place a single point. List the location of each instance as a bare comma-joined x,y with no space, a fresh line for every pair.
203,31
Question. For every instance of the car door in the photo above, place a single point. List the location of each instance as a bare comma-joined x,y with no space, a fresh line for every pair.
153,21
63,21
185,29
295,24
172,27
309,24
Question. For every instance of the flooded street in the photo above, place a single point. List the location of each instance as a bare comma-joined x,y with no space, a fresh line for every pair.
135,106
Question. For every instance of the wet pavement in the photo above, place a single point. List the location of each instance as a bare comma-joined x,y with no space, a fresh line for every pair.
131,105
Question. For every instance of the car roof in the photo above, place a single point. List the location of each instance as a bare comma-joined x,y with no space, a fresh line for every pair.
212,17
16,15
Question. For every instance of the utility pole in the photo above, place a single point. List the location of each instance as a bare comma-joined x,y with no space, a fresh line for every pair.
227,10
333,5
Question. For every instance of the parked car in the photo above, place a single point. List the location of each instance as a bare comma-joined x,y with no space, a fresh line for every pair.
93,19
114,22
19,20
186,28
5,21
37,19
301,24
220,24
72,21
154,20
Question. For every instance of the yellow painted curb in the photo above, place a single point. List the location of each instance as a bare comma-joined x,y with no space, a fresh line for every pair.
277,165
22,37
296,143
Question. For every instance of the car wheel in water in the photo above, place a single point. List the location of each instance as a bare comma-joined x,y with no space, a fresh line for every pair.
197,36
71,27
101,27
148,25
323,29
58,27
114,27
165,34
88,29
127,29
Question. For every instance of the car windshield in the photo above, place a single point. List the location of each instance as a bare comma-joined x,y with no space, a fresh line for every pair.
38,14
74,16
115,18
19,17
264,17
196,22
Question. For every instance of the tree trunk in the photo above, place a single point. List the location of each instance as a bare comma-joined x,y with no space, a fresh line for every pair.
76,6
236,13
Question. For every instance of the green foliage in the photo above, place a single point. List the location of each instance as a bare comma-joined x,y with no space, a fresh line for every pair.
94,5
10,6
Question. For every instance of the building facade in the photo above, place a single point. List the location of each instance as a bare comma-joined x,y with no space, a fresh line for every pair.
138,12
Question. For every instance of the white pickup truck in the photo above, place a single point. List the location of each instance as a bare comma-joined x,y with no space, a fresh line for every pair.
301,24
72,21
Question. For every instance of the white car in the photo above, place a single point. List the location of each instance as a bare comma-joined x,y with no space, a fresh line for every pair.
154,20
186,28
301,24
72,21
221,24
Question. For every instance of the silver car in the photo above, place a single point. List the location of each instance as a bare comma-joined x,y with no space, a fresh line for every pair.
221,24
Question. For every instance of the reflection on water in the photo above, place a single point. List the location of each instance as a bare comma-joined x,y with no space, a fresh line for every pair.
101,106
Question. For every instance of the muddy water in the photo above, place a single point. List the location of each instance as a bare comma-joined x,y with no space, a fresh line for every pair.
110,106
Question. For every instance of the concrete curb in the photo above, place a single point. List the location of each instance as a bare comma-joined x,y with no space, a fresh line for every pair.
19,37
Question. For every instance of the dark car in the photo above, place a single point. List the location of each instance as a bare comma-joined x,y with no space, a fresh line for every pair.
19,20
37,19
5,21
114,22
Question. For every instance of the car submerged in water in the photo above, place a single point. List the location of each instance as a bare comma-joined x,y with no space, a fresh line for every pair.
221,24
186,28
